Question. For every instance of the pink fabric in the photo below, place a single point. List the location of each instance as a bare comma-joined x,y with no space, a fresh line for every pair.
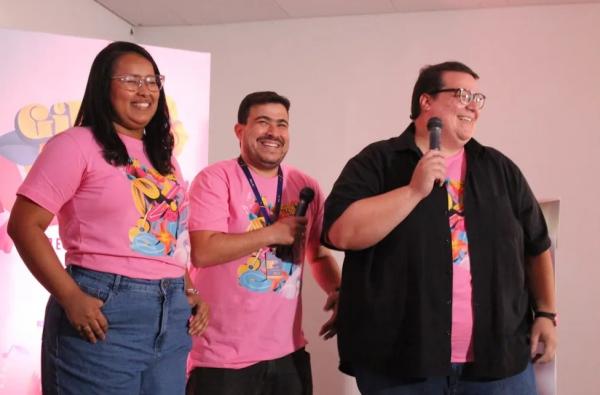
462,309
255,308
127,220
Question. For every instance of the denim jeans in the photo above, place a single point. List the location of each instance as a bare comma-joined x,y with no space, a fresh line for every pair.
289,375
146,345
371,383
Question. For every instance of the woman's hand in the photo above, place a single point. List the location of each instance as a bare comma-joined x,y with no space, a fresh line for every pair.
199,318
84,314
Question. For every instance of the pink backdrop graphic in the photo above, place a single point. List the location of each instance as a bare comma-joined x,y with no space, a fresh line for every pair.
43,78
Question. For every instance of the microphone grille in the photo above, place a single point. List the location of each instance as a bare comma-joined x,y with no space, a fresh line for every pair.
434,122
307,194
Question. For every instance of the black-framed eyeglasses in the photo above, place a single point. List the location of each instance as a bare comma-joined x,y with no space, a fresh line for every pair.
465,96
132,83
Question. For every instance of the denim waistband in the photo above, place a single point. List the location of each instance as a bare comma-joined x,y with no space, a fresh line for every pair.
119,282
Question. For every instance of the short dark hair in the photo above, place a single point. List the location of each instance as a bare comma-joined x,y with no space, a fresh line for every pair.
257,98
430,80
98,114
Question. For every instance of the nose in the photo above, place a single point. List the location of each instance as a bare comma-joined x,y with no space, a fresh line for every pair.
473,107
143,89
272,129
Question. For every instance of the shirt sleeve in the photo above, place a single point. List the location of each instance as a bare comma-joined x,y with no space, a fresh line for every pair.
529,214
56,174
360,178
209,197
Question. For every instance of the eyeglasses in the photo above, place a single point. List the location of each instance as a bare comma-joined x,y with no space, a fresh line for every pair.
465,96
132,83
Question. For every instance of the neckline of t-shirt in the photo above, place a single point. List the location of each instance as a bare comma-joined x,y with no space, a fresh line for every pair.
131,142
257,176
456,156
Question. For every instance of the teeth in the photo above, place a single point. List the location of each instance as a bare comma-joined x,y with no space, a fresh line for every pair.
273,144
142,105
463,118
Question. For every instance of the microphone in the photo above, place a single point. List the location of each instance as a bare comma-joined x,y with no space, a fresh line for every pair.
434,126
286,252
306,196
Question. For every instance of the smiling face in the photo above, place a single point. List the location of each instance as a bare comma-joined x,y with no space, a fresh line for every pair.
458,120
264,139
133,110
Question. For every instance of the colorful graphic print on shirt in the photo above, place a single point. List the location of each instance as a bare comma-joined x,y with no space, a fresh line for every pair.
263,271
160,202
460,243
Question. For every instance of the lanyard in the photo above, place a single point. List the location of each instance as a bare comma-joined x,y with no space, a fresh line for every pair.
257,195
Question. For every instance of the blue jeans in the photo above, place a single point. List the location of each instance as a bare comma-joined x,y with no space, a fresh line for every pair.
371,383
146,345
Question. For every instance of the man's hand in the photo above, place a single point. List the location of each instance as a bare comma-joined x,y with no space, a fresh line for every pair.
431,168
329,330
544,331
285,230
199,319
84,314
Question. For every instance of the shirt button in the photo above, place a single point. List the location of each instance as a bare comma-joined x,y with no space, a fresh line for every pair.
449,302
448,333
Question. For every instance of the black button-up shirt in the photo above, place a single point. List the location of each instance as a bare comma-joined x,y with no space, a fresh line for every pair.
395,311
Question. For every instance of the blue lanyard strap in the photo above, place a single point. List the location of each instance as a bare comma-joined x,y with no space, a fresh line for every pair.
257,195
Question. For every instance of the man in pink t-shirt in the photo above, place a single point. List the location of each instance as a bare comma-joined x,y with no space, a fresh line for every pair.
249,242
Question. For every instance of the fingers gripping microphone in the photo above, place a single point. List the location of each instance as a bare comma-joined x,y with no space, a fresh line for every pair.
286,252
434,126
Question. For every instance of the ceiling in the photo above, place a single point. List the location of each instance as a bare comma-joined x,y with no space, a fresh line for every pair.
212,12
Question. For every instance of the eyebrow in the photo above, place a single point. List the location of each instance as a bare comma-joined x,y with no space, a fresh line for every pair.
265,118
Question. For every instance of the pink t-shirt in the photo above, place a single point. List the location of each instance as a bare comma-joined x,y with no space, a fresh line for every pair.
255,308
128,220
462,309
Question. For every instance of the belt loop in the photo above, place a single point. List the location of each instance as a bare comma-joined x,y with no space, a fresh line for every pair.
117,282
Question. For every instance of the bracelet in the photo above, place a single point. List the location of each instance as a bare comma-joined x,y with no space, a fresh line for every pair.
545,314
191,291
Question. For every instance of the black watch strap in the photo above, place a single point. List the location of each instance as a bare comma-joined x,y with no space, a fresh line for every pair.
545,314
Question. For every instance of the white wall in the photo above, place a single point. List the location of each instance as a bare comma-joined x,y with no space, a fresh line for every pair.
350,80
84,18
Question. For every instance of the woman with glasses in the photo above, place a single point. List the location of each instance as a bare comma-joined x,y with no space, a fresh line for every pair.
118,320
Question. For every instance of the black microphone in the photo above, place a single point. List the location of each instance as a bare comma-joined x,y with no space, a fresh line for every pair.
286,252
306,196
434,126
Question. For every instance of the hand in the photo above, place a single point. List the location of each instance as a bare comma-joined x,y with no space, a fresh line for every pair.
84,314
199,319
544,331
328,330
430,168
285,230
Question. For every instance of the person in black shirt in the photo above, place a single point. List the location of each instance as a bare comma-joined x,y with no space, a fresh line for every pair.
448,281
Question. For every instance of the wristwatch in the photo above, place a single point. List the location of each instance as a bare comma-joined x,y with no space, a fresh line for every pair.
545,314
